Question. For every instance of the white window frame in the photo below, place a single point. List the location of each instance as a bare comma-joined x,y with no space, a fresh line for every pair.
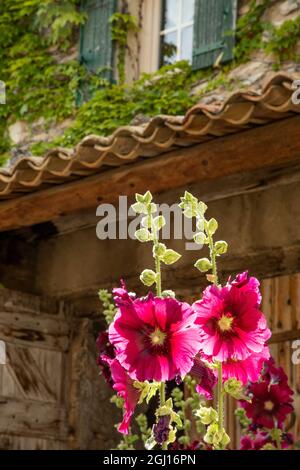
178,30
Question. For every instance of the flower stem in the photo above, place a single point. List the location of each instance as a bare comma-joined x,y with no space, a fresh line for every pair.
220,398
213,258
158,277
220,384
162,390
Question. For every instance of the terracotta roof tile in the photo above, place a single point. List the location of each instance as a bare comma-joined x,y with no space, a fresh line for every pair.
94,153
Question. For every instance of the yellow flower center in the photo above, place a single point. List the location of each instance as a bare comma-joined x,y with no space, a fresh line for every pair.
157,337
269,405
225,323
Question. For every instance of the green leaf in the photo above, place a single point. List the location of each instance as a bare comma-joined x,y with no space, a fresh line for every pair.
170,257
144,198
203,265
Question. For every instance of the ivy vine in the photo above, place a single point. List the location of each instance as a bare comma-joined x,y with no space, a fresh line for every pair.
37,37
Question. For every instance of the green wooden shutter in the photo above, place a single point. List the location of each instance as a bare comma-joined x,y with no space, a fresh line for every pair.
96,48
213,19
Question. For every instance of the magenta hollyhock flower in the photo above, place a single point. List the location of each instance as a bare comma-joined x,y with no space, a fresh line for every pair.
122,296
248,370
270,404
125,389
232,326
205,377
155,338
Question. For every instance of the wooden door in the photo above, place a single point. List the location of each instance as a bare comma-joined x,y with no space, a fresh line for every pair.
34,380
281,305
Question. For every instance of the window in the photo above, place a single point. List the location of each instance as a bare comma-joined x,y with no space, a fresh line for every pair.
177,31
197,31
96,50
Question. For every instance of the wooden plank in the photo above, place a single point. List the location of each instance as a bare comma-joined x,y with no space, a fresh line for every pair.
34,330
33,374
8,442
32,419
217,158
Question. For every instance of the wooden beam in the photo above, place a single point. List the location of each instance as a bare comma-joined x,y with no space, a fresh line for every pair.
261,147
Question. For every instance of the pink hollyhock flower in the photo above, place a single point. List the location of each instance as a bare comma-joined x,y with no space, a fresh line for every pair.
205,377
248,370
270,404
155,338
232,326
125,389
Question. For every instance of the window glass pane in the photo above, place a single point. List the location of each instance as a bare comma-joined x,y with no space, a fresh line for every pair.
187,15
169,48
171,14
187,43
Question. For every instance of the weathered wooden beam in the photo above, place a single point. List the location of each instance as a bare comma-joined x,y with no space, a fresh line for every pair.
265,146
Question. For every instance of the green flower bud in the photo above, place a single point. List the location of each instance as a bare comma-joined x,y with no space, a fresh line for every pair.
159,250
234,388
170,257
143,235
210,433
212,226
148,277
225,439
207,415
218,439
168,293
199,238
221,247
203,265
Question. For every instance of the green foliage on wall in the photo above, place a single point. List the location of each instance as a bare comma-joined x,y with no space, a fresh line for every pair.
165,92
122,24
37,39
38,82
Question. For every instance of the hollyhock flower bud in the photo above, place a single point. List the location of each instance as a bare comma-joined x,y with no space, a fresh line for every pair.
161,430
207,415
